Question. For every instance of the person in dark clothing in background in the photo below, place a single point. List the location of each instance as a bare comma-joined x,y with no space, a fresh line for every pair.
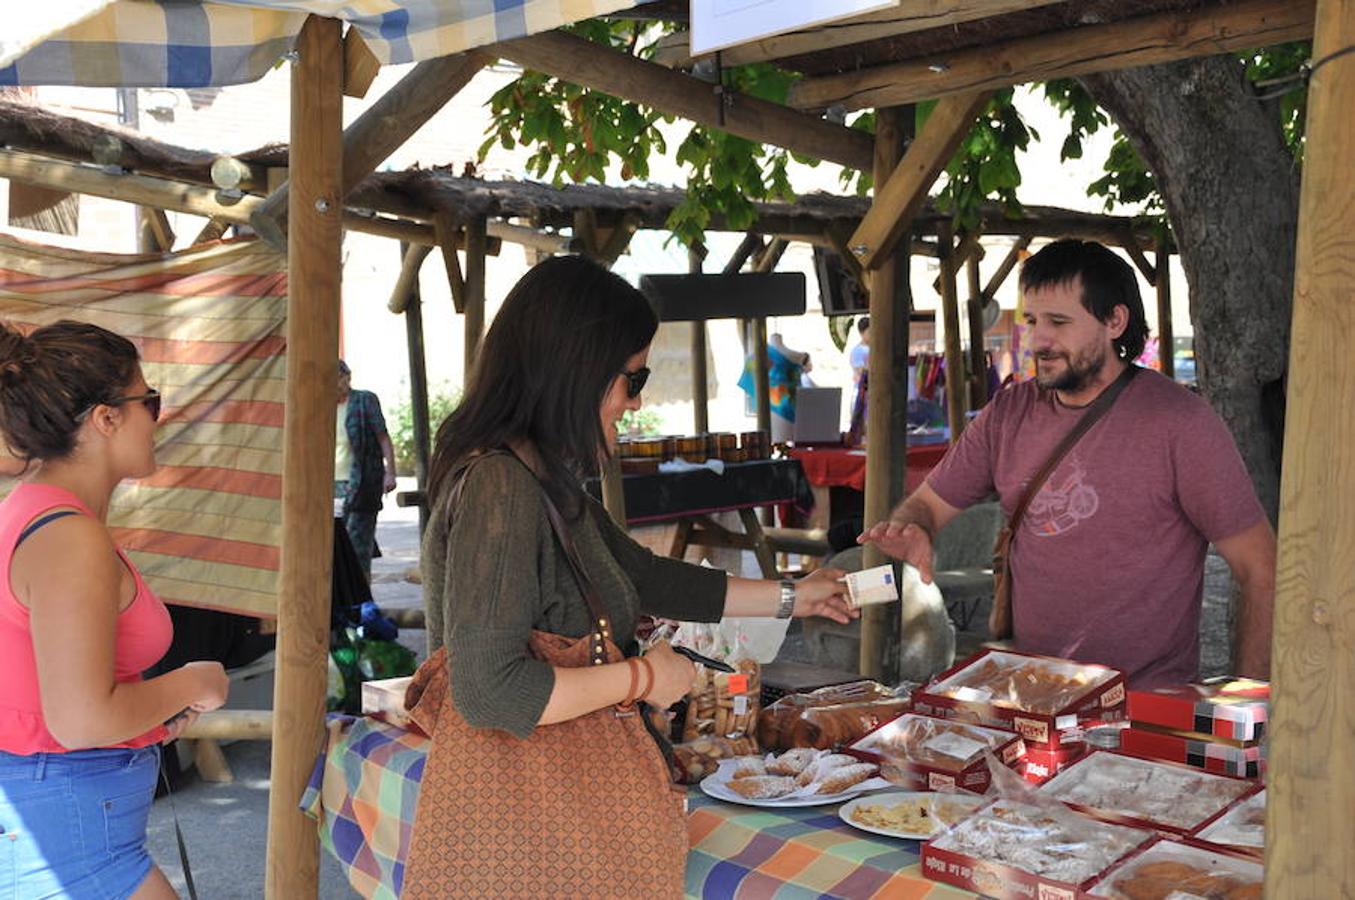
364,465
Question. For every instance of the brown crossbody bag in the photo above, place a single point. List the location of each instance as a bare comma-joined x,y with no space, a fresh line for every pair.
1000,619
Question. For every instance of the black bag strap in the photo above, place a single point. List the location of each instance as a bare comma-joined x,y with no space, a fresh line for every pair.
178,836
1098,408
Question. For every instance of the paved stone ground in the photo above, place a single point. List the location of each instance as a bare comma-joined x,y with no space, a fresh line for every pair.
225,825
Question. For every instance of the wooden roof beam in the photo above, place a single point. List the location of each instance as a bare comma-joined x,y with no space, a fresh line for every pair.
382,128
909,16
1144,40
898,200
590,65
1008,263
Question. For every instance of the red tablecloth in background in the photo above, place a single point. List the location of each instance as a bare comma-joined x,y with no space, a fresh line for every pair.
841,467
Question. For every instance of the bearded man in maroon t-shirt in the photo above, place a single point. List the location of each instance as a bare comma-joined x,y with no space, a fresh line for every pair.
1108,563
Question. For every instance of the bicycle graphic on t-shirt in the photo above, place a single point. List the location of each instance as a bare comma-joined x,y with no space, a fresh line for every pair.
1064,501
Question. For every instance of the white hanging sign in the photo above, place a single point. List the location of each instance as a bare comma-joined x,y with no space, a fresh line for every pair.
717,24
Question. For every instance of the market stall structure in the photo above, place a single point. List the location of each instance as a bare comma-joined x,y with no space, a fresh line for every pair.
1310,794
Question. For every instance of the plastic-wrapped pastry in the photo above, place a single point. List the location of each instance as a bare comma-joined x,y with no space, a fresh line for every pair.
1052,843
823,765
763,787
1170,871
751,767
830,717
844,777
1163,793
792,762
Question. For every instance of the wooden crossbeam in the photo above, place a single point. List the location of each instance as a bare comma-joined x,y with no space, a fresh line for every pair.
1144,40
162,193
969,250
360,65
448,229
382,128
899,199
909,16
1004,269
156,223
590,65
1146,268
212,231
408,278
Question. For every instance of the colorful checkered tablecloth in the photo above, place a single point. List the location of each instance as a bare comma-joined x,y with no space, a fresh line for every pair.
366,785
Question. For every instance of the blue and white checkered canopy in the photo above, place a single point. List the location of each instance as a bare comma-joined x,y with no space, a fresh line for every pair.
186,43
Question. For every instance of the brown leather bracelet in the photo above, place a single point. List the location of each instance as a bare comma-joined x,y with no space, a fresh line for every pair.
649,678
634,681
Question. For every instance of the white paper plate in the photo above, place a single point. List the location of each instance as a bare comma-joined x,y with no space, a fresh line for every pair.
717,786
845,813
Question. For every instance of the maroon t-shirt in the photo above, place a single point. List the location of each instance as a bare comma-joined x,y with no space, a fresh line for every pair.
1108,564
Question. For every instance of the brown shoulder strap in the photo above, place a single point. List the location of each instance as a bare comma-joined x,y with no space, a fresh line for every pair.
590,595
1098,408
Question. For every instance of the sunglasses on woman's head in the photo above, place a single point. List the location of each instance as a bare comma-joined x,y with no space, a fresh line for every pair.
150,400
635,381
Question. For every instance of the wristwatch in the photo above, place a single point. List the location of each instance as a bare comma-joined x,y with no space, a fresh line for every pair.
787,604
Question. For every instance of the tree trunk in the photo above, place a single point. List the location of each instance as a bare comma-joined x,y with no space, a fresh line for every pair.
1231,188
1231,191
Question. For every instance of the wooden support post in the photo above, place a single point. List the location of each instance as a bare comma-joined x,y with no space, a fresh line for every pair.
475,290
762,376
1166,340
950,317
700,385
978,391
766,262
313,273
900,194
418,378
1311,786
886,403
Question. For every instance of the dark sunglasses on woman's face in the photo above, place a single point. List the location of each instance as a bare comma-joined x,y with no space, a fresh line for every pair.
150,400
635,381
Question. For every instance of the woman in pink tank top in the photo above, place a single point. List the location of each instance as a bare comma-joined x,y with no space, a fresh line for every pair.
80,729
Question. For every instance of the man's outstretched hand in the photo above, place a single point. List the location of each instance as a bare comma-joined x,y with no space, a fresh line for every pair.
904,541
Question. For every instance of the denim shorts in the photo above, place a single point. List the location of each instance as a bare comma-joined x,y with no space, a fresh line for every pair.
73,825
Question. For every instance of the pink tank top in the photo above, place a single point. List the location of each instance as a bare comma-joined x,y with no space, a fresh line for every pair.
143,636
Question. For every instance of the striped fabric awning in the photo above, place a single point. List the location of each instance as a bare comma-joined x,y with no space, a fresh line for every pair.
210,324
184,44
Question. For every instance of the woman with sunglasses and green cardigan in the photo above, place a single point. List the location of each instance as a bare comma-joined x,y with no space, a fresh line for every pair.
80,729
565,359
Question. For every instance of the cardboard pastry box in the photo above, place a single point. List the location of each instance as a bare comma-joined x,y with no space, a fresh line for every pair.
1047,701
